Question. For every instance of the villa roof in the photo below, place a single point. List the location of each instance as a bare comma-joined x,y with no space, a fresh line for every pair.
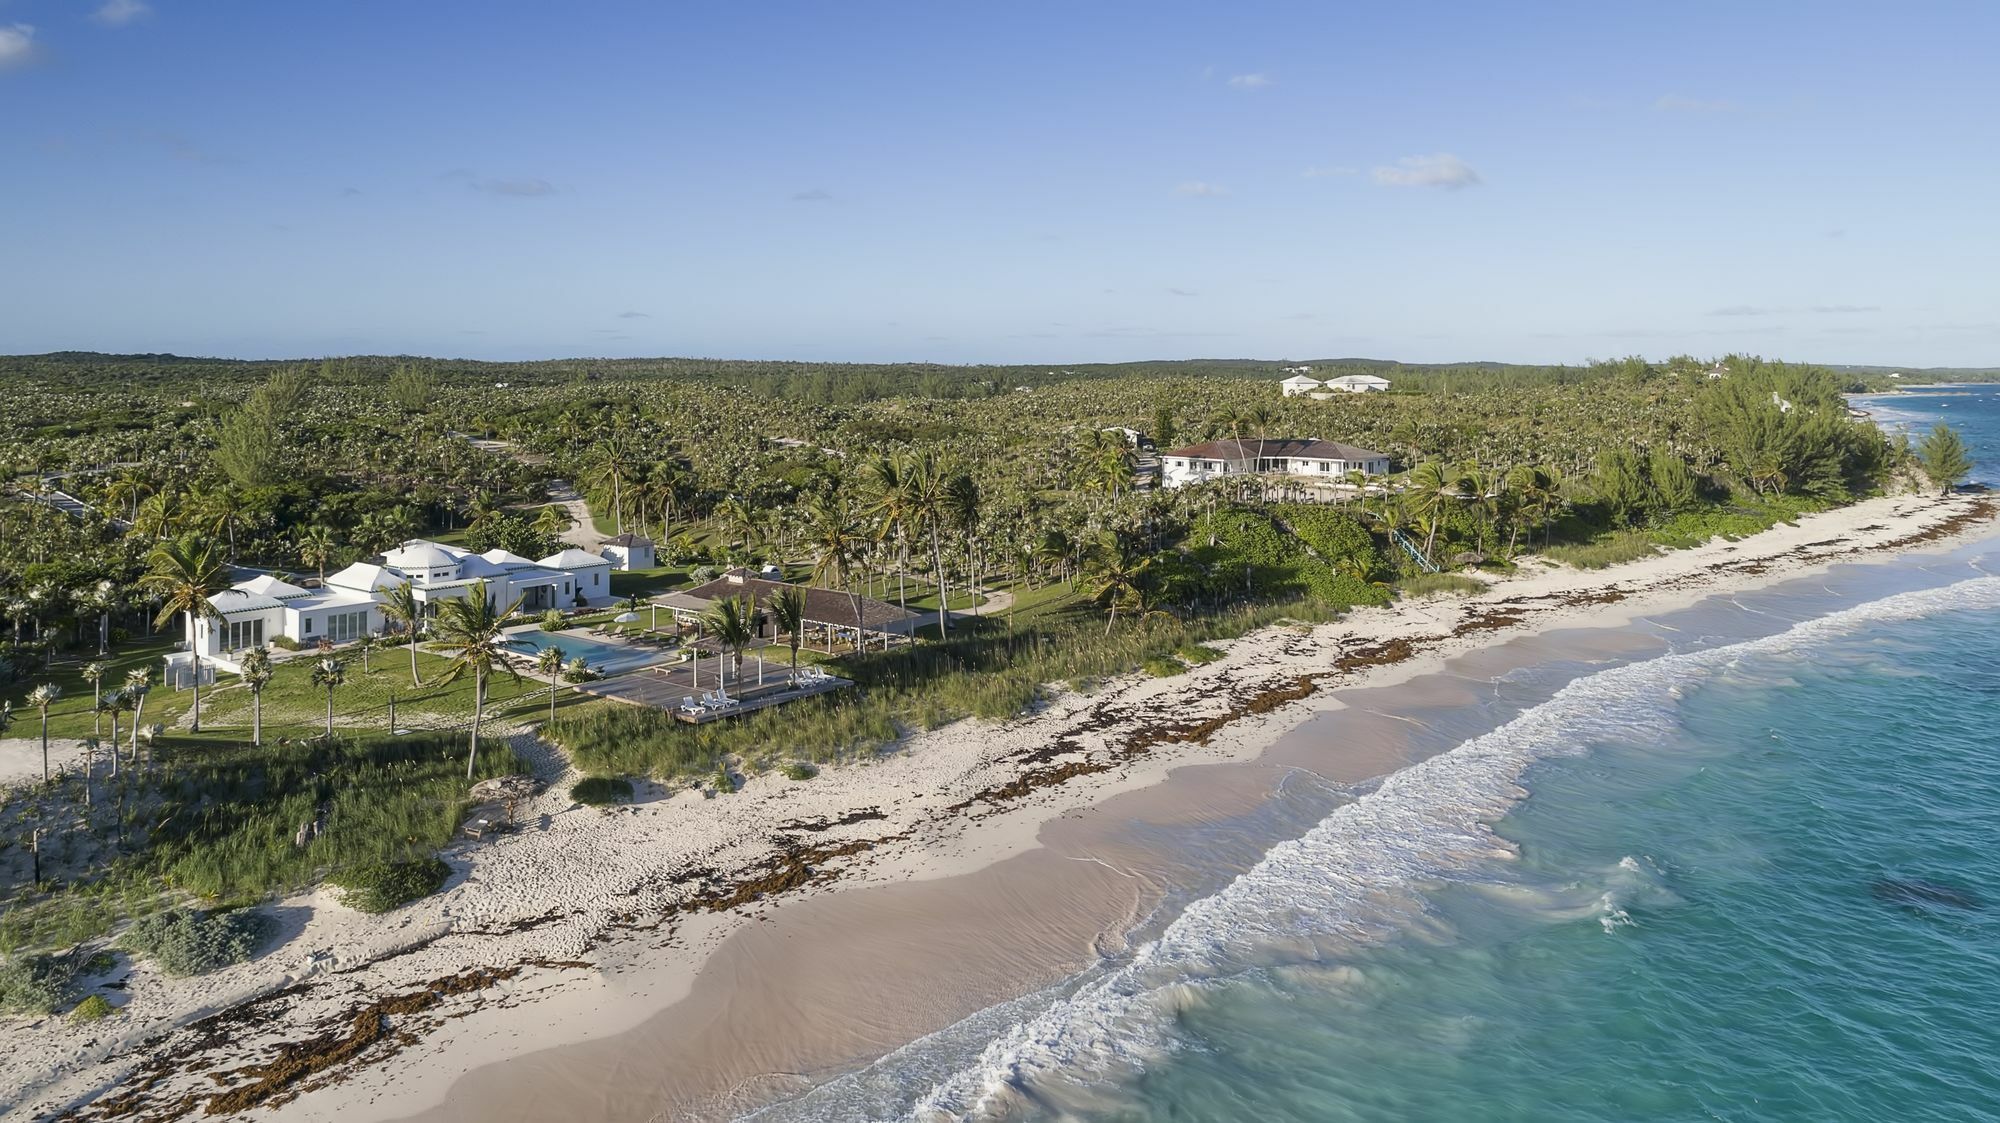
501,557
268,586
362,575
473,566
823,606
228,602
419,554
629,539
573,558
1294,449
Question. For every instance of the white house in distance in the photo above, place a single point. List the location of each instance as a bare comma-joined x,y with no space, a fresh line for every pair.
1302,383
1307,457
628,551
1358,384
348,604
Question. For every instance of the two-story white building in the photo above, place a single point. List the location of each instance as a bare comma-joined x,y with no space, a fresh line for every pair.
1328,460
348,604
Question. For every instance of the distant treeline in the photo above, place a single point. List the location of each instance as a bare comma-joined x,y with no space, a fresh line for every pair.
803,382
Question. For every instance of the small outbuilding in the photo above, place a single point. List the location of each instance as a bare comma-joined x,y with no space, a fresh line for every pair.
629,551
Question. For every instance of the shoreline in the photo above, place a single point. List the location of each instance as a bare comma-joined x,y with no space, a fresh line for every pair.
597,923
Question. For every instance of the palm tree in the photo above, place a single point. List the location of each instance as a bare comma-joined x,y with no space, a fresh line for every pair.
610,467
364,643
42,697
186,571
328,672
931,496
138,684
836,551
1427,490
469,631
254,669
894,512
729,621
315,547
1115,578
101,598
788,612
549,661
400,604
93,673
114,704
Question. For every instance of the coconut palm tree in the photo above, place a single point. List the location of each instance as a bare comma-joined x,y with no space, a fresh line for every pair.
1115,577
102,599
549,661
730,623
42,697
788,612
400,605
328,672
1428,489
254,669
138,684
314,547
469,632
93,673
837,545
186,571
930,486
113,704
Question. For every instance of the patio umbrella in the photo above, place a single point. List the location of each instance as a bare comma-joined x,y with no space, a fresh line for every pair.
626,618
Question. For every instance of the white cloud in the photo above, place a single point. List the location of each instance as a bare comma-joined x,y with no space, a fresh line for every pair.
118,13
1439,170
1250,81
1675,103
17,44
1202,190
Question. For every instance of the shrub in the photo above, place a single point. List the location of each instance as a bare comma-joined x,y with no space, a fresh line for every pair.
36,984
91,1009
553,620
1627,545
1198,653
185,943
800,770
598,791
1438,584
284,643
383,886
724,782
1163,666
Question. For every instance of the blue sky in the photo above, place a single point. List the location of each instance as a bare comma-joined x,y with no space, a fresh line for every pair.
1005,182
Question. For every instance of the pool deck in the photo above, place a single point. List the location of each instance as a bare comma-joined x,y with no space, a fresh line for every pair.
664,688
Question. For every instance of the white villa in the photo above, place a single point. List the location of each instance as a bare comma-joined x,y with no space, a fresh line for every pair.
348,604
1346,384
1309,457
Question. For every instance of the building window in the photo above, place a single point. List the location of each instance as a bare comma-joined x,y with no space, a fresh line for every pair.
594,578
309,625
344,626
246,634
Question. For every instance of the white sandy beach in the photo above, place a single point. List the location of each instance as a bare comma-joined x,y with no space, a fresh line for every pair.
588,924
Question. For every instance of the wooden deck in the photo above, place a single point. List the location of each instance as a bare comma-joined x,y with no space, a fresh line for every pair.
664,688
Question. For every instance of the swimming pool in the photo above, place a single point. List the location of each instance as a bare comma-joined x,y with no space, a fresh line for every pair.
603,656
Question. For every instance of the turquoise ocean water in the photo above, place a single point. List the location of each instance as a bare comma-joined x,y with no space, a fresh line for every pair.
1755,878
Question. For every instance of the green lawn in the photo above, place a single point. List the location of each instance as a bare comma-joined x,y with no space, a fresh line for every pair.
292,705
